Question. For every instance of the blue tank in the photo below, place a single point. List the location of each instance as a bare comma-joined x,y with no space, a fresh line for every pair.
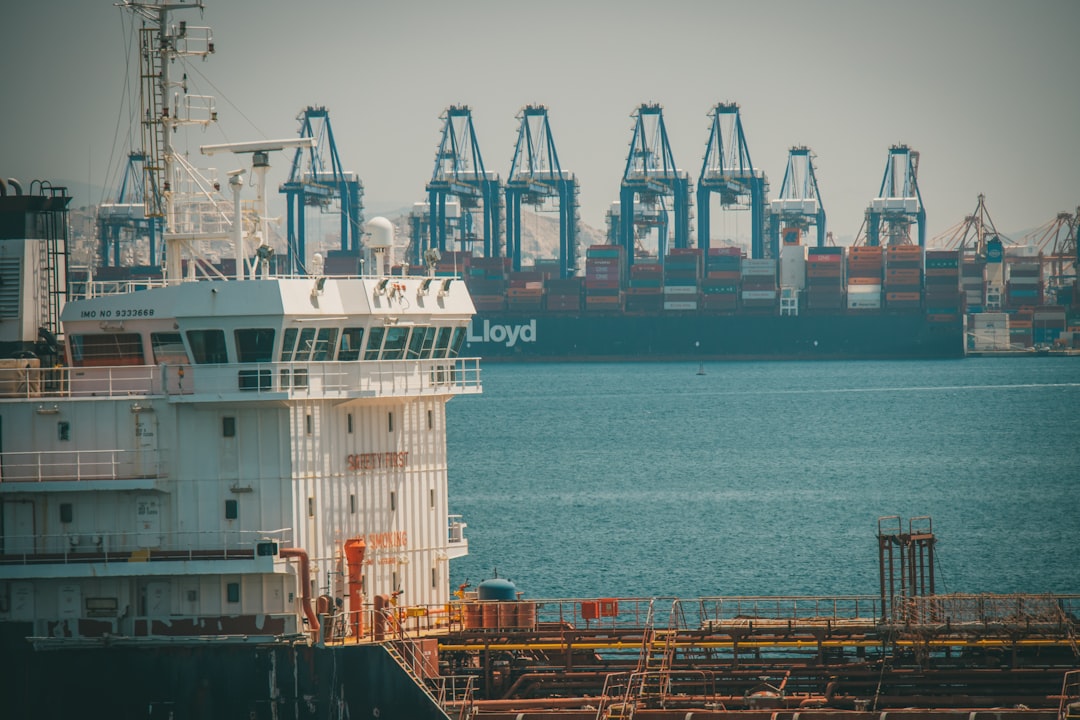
496,589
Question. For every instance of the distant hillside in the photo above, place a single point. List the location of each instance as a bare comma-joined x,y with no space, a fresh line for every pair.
539,235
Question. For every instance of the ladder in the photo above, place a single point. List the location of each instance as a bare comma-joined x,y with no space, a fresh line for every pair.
650,683
403,652
153,122
657,652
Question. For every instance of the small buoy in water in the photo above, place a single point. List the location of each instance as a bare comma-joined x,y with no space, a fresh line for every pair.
701,369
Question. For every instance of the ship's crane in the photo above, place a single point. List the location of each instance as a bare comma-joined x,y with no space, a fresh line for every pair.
537,179
459,172
799,205
125,218
898,204
651,176
318,180
728,172
971,235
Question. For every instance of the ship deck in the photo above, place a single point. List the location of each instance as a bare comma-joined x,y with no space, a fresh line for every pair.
796,658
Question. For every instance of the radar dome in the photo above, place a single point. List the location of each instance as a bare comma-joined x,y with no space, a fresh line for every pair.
380,233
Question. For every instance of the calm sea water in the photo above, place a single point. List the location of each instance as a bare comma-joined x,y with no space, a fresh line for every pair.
648,479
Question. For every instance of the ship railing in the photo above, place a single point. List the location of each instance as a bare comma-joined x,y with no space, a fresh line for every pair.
83,465
92,546
417,658
763,610
1049,612
455,530
375,378
382,378
455,692
1053,616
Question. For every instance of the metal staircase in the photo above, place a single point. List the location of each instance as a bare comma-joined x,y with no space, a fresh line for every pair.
649,684
446,693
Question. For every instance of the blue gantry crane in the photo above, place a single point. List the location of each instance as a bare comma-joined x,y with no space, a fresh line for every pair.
898,204
125,219
321,183
799,206
459,173
537,179
650,177
728,172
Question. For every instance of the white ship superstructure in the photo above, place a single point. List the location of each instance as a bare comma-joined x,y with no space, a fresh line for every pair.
221,457
203,459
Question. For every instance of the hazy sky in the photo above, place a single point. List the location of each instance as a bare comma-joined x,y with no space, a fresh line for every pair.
985,90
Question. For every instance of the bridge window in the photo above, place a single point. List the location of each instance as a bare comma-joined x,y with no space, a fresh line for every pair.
352,339
324,345
208,346
374,343
254,345
303,348
394,345
168,348
442,341
105,350
288,343
455,344
421,342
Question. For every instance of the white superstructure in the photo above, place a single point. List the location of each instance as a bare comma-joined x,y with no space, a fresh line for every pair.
204,437
226,457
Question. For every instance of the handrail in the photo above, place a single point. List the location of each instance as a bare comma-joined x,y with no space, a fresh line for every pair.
83,465
85,546
383,378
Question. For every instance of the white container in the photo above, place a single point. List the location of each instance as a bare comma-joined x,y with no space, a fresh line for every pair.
758,294
858,302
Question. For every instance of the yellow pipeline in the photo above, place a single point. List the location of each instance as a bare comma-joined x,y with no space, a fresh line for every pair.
750,644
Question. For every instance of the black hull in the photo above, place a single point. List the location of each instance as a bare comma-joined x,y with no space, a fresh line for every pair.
506,336
216,678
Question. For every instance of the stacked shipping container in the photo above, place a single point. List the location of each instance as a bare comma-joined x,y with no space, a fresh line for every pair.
563,294
682,278
759,288
865,269
525,291
646,291
973,284
1024,285
903,277
604,277
824,278
723,273
942,298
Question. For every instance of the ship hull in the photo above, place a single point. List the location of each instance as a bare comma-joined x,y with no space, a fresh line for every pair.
211,678
509,336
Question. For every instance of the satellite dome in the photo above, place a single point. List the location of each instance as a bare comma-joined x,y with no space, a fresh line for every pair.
380,233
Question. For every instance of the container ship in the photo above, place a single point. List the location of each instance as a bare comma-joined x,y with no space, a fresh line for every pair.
810,303
861,302
224,494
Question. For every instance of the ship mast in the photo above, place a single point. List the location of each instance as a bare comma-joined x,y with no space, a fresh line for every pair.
166,175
